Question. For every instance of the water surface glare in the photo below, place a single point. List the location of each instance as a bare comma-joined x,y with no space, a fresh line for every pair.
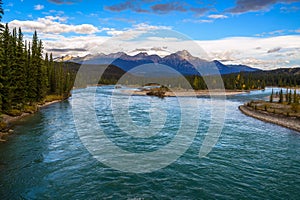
45,158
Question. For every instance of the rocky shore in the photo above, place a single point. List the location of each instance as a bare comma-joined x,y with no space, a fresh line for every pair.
7,121
285,121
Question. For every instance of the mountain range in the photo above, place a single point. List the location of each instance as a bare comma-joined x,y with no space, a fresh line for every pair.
181,61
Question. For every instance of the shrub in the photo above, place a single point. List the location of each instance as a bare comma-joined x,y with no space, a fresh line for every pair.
14,112
50,98
3,125
30,108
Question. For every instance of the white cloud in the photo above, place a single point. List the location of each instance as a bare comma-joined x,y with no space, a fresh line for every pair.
147,27
39,7
135,31
250,51
254,51
236,50
60,19
53,24
198,21
217,16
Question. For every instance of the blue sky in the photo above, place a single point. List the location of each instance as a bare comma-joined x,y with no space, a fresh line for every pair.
227,22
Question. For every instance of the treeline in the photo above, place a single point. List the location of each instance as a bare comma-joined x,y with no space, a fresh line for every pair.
289,97
252,80
26,77
236,81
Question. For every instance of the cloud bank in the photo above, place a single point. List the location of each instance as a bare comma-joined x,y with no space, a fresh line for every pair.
243,6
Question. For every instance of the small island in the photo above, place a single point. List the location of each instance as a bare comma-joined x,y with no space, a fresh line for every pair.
281,109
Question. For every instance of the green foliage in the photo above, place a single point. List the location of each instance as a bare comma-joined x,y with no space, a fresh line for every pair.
290,97
6,60
53,97
3,125
26,78
280,97
14,112
271,97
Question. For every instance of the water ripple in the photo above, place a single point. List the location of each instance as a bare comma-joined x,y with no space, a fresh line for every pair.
45,158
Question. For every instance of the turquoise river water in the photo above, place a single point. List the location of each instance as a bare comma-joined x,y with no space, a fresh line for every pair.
45,158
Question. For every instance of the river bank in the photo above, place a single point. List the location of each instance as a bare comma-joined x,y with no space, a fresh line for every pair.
281,120
7,121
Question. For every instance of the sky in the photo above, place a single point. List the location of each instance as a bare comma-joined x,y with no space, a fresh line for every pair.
260,33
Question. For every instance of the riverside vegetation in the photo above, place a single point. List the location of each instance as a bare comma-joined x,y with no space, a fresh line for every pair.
27,78
282,109
284,104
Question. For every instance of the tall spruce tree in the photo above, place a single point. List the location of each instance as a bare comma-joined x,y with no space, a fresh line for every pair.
6,74
20,73
296,101
25,77
281,96
42,79
271,96
52,76
32,74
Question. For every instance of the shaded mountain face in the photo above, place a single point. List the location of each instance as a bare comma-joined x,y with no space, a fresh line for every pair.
181,61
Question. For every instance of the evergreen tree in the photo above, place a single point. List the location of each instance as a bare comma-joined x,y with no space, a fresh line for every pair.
42,79
19,75
290,97
281,96
52,76
196,83
271,97
263,84
25,77
32,70
296,101
6,73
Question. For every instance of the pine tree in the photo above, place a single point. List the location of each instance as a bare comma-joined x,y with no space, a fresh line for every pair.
296,101
271,97
52,76
263,84
196,83
42,78
281,96
19,75
290,97
33,70
287,95
6,74
25,77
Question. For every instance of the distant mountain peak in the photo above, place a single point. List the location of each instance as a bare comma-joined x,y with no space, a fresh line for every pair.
142,54
64,58
184,53
182,61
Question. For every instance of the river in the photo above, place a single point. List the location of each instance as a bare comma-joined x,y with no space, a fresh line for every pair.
46,159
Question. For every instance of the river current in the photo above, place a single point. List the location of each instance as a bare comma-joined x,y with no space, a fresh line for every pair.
45,158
